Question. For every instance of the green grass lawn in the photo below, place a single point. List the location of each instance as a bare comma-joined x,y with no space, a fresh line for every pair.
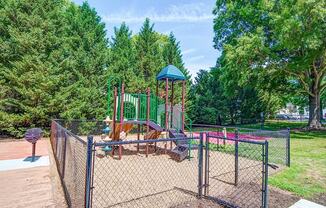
307,175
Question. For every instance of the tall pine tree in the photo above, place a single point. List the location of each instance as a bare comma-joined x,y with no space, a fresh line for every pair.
123,58
172,55
149,58
82,92
29,45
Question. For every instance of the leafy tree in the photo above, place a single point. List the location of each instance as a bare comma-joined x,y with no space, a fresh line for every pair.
276,46
30,45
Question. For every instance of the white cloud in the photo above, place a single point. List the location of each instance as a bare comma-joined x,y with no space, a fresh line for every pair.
194,12
194,58
188,51
194,68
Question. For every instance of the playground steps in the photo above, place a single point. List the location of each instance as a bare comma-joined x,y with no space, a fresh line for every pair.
182,148
173,133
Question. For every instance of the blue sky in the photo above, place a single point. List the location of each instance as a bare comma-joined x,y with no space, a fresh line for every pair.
190,20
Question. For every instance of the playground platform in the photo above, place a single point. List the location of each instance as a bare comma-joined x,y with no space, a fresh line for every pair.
25,183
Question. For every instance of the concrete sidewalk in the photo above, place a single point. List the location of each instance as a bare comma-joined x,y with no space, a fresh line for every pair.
25,183
302,203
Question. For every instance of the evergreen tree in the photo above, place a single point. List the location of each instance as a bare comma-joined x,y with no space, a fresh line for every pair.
83,88
30,42
212,105
149,58
208,102
171,53
123,58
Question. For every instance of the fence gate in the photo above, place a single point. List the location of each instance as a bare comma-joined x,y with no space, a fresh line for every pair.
135,180
236,171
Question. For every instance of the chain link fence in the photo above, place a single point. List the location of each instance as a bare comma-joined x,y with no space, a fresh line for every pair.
158,180
236,171
279,141
70,155
223,167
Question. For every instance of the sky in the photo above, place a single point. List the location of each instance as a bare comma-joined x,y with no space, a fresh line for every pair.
191,21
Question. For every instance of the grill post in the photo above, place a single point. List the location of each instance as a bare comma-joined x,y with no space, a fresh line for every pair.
33,151
88,172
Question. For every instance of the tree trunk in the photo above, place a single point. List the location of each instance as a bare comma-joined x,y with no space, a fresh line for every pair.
314,106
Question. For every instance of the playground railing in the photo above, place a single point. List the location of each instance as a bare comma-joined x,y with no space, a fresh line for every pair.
135,106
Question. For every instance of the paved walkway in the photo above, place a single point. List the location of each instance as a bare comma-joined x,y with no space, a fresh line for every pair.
25,183
302,203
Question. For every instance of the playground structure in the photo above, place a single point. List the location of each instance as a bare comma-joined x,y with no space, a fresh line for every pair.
159,117
228,166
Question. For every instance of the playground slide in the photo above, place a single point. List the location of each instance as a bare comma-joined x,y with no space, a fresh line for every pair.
126,127
153,134
151,124
155,129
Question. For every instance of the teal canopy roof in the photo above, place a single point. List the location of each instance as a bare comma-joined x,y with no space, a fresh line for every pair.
172,73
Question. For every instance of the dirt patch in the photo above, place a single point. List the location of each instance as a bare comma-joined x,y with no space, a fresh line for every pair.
29,187
57,190
16,149
10,139
281,199
200,203
320,199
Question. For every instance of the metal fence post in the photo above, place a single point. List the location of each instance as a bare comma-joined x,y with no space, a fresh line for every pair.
200,166
288,138
206,187
64,154
236,158
88,172
265,182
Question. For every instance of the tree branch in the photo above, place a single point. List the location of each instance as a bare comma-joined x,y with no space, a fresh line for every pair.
322,87
305,85
314,67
